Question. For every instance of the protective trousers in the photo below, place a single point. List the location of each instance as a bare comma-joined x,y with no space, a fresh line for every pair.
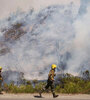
49,84
0,86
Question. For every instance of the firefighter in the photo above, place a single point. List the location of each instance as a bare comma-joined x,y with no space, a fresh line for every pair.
1,79
50,82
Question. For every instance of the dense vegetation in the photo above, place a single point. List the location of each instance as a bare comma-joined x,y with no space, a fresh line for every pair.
65,83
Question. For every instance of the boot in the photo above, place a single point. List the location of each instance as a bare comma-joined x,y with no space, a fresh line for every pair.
54,95
40,93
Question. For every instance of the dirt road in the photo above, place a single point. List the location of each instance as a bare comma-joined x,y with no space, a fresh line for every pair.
45,97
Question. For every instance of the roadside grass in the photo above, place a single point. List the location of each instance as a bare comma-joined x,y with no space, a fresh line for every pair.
67,85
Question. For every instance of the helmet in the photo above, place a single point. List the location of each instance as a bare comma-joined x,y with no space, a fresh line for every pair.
0,68
53,66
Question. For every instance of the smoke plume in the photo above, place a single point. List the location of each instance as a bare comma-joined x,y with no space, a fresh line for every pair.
31,41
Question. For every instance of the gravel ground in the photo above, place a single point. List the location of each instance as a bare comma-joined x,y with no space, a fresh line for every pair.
45,97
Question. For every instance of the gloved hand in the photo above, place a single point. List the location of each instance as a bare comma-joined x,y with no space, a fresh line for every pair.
1,78
54,74
52,80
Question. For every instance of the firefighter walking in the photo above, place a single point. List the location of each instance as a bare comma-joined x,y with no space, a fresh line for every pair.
50,82
1,79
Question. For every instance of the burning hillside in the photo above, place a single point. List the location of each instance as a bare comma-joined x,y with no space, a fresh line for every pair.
31,41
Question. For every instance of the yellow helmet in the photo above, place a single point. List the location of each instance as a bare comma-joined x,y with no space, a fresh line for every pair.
0,68
53,66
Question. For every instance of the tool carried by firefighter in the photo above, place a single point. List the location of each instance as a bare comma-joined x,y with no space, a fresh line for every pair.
50,82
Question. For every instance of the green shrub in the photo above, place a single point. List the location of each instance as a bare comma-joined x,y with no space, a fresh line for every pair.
58,88
69,84
39,86
29,89
19,89
87,88
72,88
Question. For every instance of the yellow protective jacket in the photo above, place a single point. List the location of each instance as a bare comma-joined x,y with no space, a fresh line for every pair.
51,75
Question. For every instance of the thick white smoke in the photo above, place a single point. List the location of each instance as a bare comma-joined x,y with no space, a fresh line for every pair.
81,45
9,6
55,34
